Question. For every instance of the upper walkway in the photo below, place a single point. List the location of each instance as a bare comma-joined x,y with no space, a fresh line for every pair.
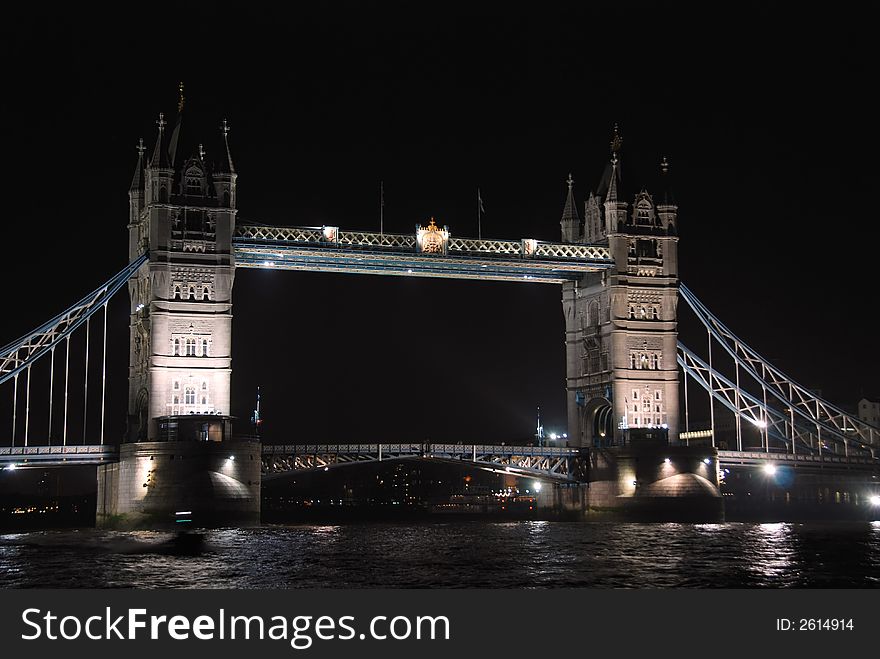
429,252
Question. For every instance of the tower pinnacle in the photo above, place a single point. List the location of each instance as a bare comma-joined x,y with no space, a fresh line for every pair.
137,181
159,158
225,128
571,223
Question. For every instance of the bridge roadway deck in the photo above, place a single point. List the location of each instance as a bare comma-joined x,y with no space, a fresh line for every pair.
550,461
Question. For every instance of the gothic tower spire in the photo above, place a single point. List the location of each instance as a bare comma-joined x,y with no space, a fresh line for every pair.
571,223
137,181
160,158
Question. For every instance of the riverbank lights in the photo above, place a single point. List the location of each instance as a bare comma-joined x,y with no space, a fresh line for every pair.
667,461
12,467
770,469
875,500
707,461
536,486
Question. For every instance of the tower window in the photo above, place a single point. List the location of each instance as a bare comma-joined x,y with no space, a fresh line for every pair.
177,292
176,352
204,351
204,386
205,294
190,347
176,385
193,186
190,396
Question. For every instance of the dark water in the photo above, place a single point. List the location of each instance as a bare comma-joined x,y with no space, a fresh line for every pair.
456,554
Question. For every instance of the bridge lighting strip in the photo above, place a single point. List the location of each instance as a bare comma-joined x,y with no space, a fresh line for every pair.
508,269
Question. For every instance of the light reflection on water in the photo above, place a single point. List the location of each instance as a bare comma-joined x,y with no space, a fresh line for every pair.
455,554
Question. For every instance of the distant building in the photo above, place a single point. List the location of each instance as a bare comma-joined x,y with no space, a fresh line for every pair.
869,411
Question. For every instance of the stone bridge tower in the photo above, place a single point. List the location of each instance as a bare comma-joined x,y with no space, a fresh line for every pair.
179,462
182,210
621,325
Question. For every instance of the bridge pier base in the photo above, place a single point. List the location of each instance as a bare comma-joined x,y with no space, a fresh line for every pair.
179,484
650,482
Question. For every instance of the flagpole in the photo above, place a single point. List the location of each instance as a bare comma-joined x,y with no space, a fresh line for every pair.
381,208
479,216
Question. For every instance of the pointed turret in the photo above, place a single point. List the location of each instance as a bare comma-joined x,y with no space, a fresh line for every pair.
160,151
224,174
226,166
137,181
571,223
136,194
175,134
667,210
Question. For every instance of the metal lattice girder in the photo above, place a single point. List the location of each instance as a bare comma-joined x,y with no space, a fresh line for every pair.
18,355
836,425
725,391
554,463
329,250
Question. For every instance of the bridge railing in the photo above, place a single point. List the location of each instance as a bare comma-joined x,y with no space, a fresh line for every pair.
330,237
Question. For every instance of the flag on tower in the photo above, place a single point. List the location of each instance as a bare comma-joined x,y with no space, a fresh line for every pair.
480,201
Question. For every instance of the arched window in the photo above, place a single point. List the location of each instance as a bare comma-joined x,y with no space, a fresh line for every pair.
176,349
177,292
643,361
163,195
204,386
632,311
642,313
654,362
594,314
190,396
205,295
190,347
176,385
226,198
192,293
632,361
176,400
204,353
204,400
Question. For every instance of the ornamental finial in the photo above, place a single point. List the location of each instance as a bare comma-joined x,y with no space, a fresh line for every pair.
616,140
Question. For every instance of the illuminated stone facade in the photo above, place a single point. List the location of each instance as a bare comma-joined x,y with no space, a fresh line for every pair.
182,210
621,325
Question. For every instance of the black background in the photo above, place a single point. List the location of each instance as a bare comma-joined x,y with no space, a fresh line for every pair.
763,109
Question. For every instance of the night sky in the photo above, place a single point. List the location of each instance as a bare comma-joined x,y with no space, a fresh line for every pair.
763,111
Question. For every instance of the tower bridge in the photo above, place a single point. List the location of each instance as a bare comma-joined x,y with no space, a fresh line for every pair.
628,377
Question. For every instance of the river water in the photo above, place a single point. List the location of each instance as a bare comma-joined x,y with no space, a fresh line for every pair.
469,554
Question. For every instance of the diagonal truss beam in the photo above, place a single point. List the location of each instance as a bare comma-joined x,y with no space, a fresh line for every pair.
24,351
830,423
